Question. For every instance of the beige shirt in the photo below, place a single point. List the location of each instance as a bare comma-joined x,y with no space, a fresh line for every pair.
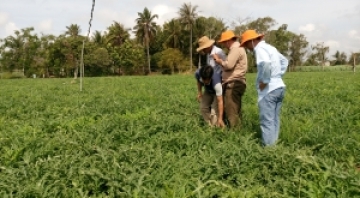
235,66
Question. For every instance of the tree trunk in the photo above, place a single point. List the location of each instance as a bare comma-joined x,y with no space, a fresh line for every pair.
191,47
76,71
147,47
354,65
148,55
82,67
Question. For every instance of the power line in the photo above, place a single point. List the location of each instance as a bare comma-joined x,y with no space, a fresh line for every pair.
82,50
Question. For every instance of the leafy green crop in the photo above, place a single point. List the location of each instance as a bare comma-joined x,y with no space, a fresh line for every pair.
144,137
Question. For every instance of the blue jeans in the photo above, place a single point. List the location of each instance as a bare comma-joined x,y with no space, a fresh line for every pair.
269,108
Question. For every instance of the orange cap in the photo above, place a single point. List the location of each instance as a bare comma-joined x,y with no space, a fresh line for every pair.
249,35
227,35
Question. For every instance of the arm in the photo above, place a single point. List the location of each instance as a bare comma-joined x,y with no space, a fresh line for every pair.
220,121
264,74
264,67
284,63
231,61
220,103
199,88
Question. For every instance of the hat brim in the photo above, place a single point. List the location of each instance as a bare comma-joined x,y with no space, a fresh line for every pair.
206,45
227,38
251,38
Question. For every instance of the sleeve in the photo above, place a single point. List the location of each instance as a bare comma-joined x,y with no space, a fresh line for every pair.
222,55
284,62
264,65
218,89
232,59
265,73
197,76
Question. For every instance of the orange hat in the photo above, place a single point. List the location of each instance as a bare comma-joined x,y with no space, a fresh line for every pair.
249,35
227,35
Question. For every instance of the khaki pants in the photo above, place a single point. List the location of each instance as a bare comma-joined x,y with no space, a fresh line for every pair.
209,108
233,93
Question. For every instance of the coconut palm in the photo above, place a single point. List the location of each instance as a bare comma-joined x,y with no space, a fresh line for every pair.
98,38
173,30
73,30
188,14
145,30
118,33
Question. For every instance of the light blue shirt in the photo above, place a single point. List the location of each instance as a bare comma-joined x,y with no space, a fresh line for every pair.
210,60
271,66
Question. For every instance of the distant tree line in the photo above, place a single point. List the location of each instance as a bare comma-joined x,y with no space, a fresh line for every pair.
167,48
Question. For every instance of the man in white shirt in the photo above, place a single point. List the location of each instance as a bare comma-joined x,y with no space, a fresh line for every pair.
207,46
271,66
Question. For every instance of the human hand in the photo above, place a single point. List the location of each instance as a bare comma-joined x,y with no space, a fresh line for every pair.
217,59
262,86
220,123
215,56
199,96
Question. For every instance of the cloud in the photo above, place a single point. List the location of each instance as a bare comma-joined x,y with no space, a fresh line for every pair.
332,44
108,16
307,28
353,34
10,27
3,18
45,25
164,12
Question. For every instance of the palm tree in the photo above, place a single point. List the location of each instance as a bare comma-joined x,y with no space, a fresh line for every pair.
340,58
21,49
117,34
145,29
98,38
46,43
173,31
188,14
73,30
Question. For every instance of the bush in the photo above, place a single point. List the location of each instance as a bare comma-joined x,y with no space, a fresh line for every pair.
9,75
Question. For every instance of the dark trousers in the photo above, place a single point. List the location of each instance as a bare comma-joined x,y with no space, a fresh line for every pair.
233,92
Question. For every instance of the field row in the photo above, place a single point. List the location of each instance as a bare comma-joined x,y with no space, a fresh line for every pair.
144,137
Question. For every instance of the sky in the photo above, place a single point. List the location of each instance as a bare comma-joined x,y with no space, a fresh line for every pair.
334,22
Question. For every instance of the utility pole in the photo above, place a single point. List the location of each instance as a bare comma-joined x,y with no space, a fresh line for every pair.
354,64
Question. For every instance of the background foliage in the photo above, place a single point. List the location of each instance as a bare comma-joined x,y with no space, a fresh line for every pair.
115,52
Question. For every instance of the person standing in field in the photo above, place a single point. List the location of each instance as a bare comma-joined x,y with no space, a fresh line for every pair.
211,81
271,66
234,69
207,47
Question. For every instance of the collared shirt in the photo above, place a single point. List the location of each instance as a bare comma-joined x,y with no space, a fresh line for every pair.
235,66
271,66
210,59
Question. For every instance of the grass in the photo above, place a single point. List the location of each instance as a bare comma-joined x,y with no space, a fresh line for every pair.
337,68
143,137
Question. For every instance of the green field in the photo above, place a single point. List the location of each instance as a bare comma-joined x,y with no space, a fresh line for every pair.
324,69
143,137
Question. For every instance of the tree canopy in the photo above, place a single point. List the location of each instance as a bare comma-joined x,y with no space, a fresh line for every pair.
155,47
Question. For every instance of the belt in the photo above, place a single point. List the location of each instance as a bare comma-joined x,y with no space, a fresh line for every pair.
230,84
